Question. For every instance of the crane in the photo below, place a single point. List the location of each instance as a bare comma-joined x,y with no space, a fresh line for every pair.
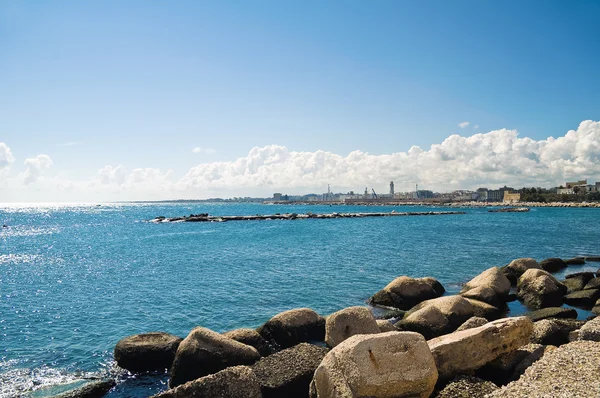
374,194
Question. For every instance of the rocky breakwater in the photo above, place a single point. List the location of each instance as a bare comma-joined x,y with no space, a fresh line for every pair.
205,217
426,344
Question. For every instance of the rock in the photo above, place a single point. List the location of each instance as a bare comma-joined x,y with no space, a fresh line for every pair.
467,387
347,322
294,326
404,292
148,351
590,330
288,373
204,352
592,258
485,310
388,313
385,326
575,261
516,268
592,284
385,365
492,278
586,276
583,298
233,382
467,350
473,322
573,284
94,389
538,289
568,371
554,331
252,338
482,293
552,264
500,370
535,355
552,312
438,316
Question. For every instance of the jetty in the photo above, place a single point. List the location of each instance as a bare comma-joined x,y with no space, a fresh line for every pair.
205,217
510,210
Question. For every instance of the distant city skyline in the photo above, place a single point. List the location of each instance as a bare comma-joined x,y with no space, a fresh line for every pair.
138,100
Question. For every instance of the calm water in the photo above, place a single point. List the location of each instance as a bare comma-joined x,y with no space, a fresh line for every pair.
75,279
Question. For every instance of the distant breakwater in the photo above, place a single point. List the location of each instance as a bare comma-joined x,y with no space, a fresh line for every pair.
205,217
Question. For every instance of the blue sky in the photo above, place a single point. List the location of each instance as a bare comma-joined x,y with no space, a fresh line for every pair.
140,84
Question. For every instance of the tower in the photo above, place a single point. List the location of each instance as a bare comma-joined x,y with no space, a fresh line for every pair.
392,189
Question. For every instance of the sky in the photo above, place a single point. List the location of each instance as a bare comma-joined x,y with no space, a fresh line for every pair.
149,100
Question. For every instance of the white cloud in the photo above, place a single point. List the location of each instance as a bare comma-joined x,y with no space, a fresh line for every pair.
6,157
35,167
208,151
463,124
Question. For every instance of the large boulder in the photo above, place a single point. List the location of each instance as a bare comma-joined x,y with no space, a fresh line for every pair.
347,322
204,352
483,293
487,311
593,283
517,267
492,278
438,316
552,312
553,264
583,298
385,365
233,382
291,327
288,373
405,292
577,281
94,389
466,387
538,289
568,371
554,331
473,322
252,338
148,351
501,370
461,352
590,330
385,326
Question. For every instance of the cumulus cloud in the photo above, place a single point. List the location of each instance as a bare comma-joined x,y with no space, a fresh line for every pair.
462,125
495,158
6,156
208,151
35,167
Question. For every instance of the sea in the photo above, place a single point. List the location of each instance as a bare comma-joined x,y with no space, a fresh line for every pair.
76,278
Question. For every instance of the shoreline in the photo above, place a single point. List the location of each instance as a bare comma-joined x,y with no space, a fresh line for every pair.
440,204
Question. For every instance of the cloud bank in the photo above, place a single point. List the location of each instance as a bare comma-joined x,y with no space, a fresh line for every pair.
492,159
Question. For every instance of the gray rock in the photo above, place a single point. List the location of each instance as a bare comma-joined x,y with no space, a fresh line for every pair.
438,316
467,387
233,382
582,298
294,326
554,331
252,338
94,389
552,312
590,330
473,322
529,360
538,289
204,352
552,264
148,351
288,373
568,371
405,292
347,322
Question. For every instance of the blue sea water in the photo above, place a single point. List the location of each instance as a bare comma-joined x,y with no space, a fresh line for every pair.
74,279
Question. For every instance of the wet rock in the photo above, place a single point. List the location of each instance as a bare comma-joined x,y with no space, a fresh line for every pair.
568,371
252,338
552,264
466,387
517,267
583,298
577,281
146,352
473,322
385,326
592,284
538,289
438,316
347,322
554,331
393,364
389,313
461,352
204,352
575,261
500,370
294,326
590,330
233,382
288,373
405,292
552,312
94,389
